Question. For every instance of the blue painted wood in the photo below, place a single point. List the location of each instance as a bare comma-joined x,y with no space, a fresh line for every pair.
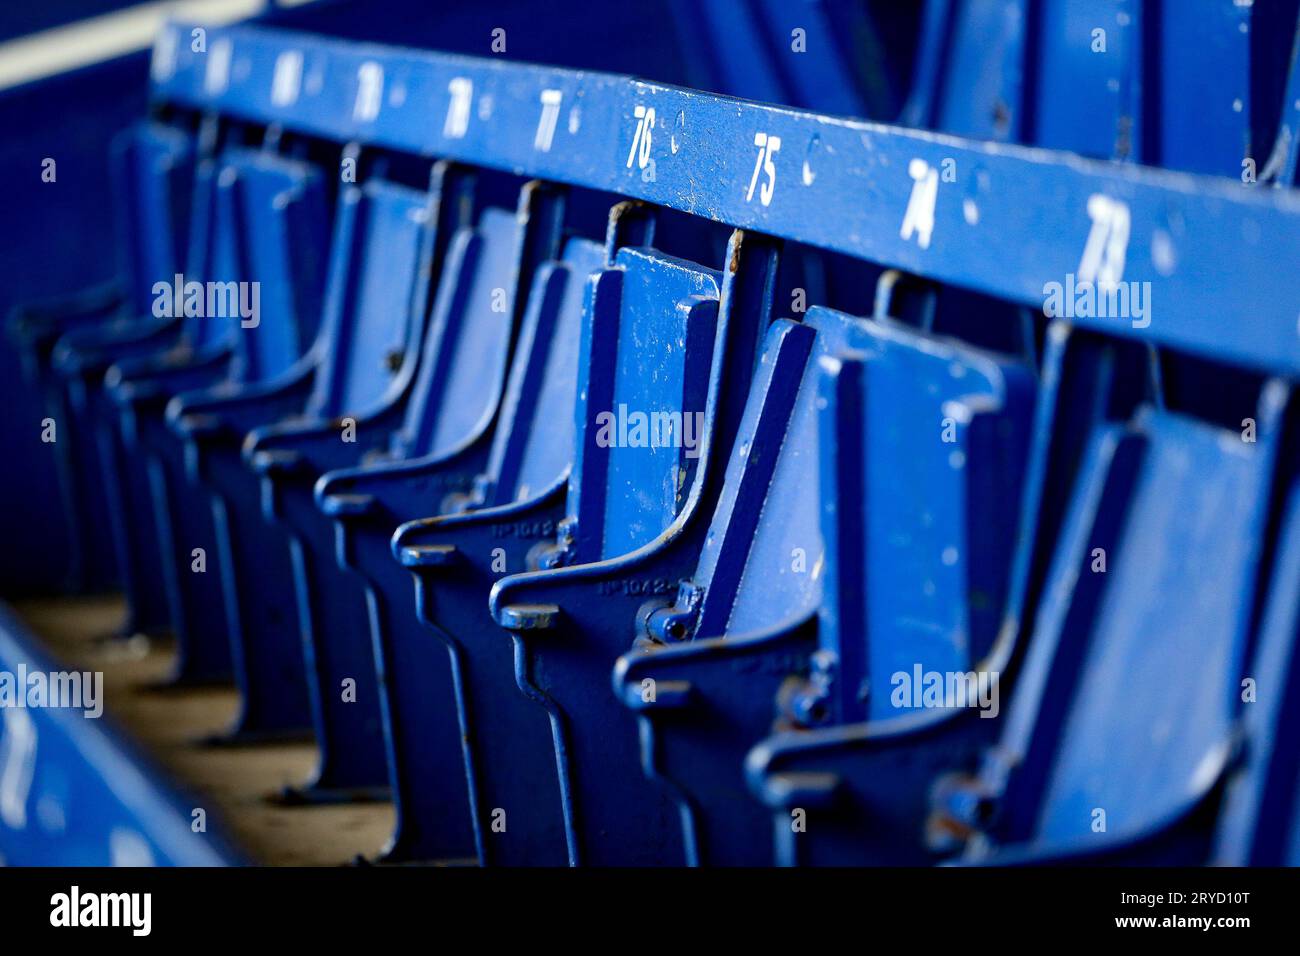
775,587
76,793
371,335
640,297
1013,220
887,567
67,350
451,402
271,215
425,699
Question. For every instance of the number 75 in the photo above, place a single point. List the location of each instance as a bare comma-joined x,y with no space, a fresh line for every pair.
768,146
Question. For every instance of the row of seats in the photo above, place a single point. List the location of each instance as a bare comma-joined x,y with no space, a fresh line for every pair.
563,529
1132,80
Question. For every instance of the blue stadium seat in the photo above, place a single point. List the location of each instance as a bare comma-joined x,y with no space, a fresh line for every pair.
902,414
642,297
68,345
1174,615
526,454
362,356
616,541
1085,385
1118,529
870,538
263,229
453,400
1258,822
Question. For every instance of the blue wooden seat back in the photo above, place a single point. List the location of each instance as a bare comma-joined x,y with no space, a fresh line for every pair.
1260,821
1102,59
919,443
1130,686
646,353
213,259
464,364
762,558
283,253
153,167
534,447
1156,693
462,375
265,244
374,277
875,556
1100,71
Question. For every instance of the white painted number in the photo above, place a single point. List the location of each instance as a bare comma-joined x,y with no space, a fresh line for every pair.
1107,246
768,146
370,91
164,55
17,765
462,93
546,124
919,218
217,76
645,124
288,78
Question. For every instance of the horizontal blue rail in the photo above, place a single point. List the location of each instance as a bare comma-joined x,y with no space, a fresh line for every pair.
71,792
1210,258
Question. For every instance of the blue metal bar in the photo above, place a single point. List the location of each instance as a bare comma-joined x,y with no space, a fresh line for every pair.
75,793
1000,219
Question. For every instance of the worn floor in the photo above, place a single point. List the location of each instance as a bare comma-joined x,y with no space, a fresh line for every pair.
171,723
